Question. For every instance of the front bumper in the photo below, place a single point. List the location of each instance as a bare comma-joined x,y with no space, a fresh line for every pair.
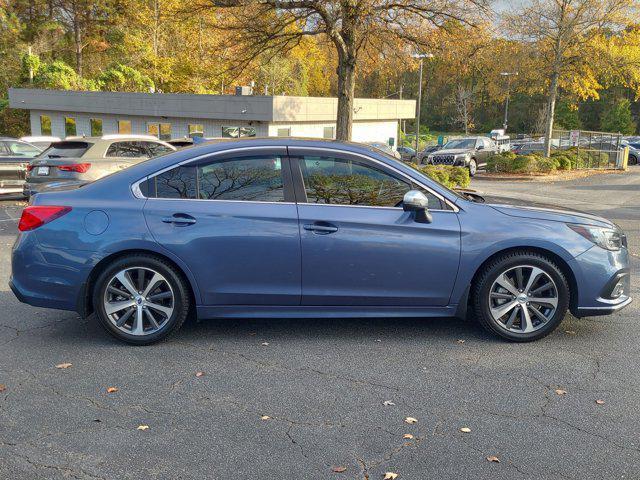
605,310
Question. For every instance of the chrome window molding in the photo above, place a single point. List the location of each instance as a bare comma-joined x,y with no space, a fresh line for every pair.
137,192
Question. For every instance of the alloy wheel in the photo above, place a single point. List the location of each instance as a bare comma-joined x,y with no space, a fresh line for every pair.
138,301
523,299
473,167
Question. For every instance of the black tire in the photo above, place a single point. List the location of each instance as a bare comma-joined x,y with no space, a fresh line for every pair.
179,286
633,160
481,290
473,169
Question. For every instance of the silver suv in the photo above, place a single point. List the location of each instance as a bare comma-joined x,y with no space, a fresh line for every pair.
76,161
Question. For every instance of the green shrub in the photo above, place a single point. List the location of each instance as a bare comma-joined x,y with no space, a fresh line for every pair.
524,164
500,162
447,175
546,165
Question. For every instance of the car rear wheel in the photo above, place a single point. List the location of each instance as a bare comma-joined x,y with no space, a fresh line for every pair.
633,160
141,299
473,167
521,296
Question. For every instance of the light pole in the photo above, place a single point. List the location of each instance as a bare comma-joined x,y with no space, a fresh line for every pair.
421,56
506,103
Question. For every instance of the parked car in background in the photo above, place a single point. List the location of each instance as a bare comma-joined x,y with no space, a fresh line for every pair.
634,151
407,154
41,141
528,148
15,156
80,160
384,148
469,152
422,156
279,227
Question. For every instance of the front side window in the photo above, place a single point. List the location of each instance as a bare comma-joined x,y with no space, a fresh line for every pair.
69,126
336,181
45,125
253,179
124,127
96,127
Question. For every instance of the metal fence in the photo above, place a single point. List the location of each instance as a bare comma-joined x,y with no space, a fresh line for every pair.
594,149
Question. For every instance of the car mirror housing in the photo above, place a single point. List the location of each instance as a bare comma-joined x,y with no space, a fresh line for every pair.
480,147
417,202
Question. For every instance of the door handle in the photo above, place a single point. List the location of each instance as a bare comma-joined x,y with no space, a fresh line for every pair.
179,219
320,228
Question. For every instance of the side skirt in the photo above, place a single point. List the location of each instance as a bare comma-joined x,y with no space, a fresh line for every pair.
252,311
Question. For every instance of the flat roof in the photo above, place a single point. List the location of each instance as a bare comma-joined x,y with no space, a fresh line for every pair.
277,108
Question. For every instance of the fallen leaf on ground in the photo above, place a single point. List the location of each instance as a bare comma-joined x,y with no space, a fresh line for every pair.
265,417
112,389
465,430
388,403
410,420
339,469
460,341
264,344
390,476
143,427
64,365
408,436
559,391
569,332
493,458
599,402
3,387
199,374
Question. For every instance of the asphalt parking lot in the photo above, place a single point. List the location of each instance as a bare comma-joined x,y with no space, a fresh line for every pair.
296,399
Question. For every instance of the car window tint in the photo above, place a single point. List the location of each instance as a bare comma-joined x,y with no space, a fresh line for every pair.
179,182
338,181
66,149
156,149
22,149
127,150
256,179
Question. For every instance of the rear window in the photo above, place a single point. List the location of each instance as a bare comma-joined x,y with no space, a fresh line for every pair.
66,150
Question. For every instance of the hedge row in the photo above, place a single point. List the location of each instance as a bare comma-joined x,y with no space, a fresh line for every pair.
447,175
570,159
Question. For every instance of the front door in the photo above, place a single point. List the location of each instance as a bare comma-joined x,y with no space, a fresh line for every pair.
232,219
358,245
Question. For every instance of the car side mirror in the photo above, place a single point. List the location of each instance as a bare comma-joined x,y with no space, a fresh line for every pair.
480,147
416,201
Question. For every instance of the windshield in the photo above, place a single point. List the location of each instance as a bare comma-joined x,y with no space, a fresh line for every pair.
66,150
460,143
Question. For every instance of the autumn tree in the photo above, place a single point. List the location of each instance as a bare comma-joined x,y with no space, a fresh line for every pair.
561,32
350,25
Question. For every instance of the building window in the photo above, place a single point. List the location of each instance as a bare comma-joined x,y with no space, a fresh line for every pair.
69,126
124,127
328,132
96,127
237,132
45,125
196,130
284,132
160,130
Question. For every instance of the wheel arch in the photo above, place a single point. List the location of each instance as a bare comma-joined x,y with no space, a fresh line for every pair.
85,300
554,257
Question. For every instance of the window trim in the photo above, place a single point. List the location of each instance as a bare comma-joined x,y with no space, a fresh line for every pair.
283,149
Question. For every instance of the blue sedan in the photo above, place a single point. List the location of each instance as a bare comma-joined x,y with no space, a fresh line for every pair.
307,228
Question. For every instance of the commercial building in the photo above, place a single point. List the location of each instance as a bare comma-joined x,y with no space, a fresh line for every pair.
64,113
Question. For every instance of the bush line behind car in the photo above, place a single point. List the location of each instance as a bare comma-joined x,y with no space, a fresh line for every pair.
448,175
570,159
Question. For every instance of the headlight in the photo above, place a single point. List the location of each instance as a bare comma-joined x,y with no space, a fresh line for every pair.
607,238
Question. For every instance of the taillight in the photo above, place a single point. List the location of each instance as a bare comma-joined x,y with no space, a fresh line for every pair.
76,167
29,167
35,216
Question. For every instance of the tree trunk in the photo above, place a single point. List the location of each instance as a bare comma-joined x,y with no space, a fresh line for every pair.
77,39
346,92
551,106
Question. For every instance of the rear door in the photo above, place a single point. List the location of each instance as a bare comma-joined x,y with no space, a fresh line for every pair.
232,219
358,245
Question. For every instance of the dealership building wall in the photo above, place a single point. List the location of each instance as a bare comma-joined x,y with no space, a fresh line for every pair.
215,115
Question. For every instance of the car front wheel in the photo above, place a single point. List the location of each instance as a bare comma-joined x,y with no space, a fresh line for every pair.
473,167
141,299
521,296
